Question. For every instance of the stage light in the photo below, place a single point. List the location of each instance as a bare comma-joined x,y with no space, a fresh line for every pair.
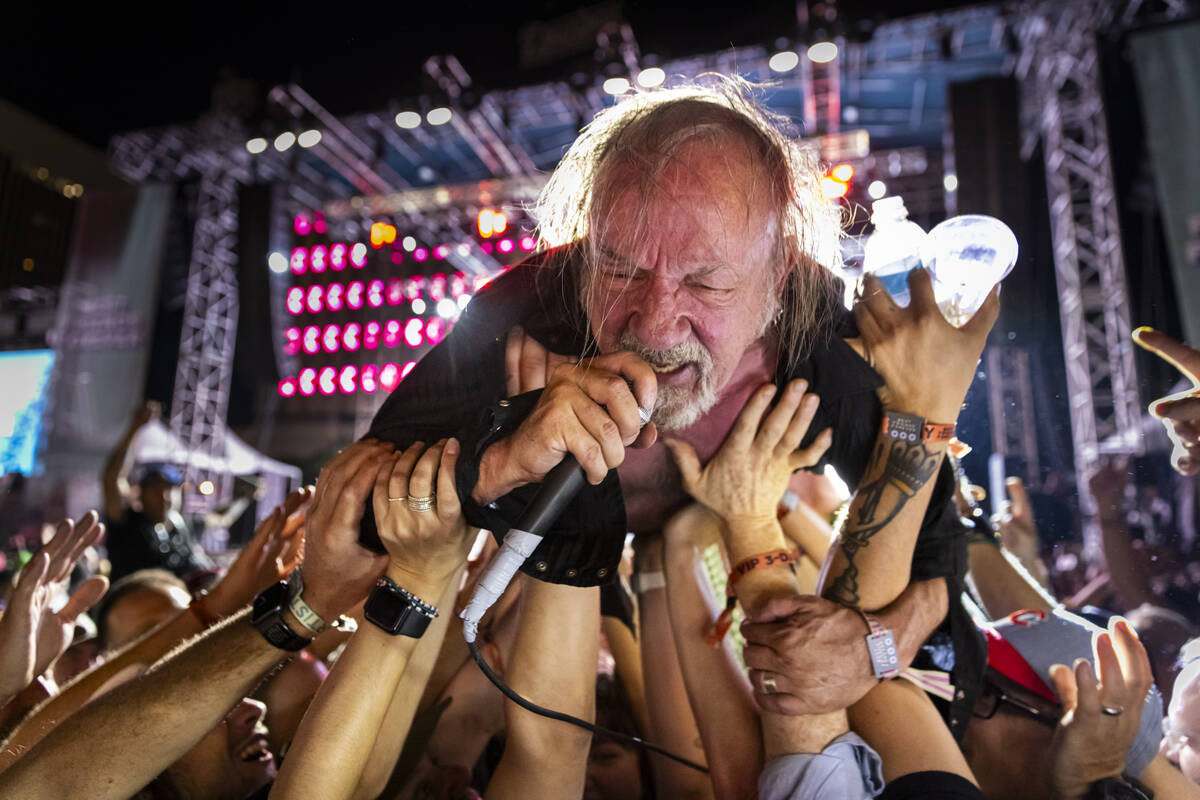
447,308
318,222
313,300
505,246
309,138
371,336
350,336
375,294
295,300
484,224
464,249
876,190
437,287
408,120
408,243
397,257
822,52
277,262
413,286
458,284
651,77
832,189
334,294
407,368
292,346
784,61
358,255
354,295
420,254
462,301
317,257
843,172
308,381
287,387
325,380
616,86
284,141
337,256
389,234
395,291
379,234
412,332
435,329
391,333
389,376
528,243
312,339
256,145
440,252
299,260
487,247
950,182
330,340
418,306
301,224
347,379
368,379
206,487
438,116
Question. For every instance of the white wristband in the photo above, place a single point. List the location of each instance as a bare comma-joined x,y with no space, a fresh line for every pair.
643,582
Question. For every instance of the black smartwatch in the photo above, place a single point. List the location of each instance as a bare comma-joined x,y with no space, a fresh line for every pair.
267,616
396,611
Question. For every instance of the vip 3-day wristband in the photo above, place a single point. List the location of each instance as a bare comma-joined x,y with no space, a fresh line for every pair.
881,645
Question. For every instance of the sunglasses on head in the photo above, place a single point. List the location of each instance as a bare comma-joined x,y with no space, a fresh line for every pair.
995,694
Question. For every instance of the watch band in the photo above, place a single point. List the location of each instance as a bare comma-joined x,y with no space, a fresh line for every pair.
881,645
911,428
267,617
397,611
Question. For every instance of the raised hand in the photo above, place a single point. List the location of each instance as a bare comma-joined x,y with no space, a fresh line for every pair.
338,571
749,474
426,547
1014,521
927,364
1179,412
527,364
32,635
276,548
1102,710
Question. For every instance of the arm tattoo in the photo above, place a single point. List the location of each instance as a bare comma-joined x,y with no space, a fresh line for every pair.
908,467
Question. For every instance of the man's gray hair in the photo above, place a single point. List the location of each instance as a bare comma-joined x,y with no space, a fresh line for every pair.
631,143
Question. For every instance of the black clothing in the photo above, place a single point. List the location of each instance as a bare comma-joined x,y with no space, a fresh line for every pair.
135,542
931,785
459,389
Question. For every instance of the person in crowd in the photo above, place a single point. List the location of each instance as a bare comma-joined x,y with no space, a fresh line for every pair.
123,740
1181,728
616,770
145,529
137,603
683,242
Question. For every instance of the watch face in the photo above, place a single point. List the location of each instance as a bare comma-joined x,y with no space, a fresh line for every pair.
271,598
386,609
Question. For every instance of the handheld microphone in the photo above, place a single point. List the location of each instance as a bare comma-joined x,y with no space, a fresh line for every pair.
558,488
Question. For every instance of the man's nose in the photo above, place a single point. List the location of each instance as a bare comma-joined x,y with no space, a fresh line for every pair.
657,319
248,713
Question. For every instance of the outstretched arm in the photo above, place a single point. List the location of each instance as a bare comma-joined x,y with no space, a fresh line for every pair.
112,478
1180,413
553,664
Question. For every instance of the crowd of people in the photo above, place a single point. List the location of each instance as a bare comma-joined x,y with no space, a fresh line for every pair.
680,337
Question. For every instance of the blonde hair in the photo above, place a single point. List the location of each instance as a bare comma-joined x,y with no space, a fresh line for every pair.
636,139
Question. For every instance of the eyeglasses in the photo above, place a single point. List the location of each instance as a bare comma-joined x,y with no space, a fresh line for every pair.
993,695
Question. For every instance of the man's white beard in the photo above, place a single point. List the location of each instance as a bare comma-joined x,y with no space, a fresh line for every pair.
678,407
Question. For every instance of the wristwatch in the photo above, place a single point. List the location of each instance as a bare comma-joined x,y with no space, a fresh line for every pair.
911,428
396,611
267,616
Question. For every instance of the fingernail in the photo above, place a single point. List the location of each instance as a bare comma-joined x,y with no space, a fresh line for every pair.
1140,331
451,446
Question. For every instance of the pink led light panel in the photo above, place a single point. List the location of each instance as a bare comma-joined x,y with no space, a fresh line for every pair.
389,376
528,243
412,287
358,255
312,339
437,287
347,380
395,291
408,367
313,301
337,256
412,332
307,381
334,296
435,331
318,258
351,336
420,254
295,300
292,346
458,285
301,225
369,379
391,333
354,295
505,246
299,260
441,251
371,336
287,387
325,380
375,294
329,340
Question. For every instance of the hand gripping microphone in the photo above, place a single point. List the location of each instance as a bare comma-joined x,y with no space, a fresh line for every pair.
558,488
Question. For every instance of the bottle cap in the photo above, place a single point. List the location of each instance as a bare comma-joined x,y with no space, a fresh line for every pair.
888,209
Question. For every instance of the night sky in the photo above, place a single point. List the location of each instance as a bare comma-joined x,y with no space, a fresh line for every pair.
101,71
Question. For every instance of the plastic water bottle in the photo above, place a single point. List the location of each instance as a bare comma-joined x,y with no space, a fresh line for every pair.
897,247
971,254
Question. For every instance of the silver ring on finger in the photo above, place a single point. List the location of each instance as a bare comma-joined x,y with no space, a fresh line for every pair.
767,684
422,503
1112,711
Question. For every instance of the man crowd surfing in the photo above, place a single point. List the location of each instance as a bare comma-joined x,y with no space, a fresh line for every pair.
679,334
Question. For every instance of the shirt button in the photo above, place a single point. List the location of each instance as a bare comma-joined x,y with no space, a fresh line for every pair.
505,404
541,566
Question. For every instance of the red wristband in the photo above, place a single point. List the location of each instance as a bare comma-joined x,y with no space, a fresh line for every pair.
772,558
